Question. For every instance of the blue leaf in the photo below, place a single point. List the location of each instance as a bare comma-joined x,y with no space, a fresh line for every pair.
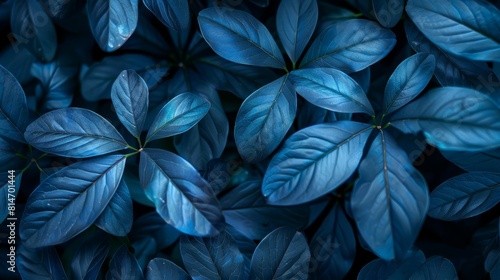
61,9
349,46
163,269
74,132
8,193
112,22
388,12
8,151
362,78
295,23
331,89
117,217
13,107
49,217
309,115
283,254
492,263
465,28
90,255
332,150
182,197
174,14
264,118
465,196
246,210
452,118
97,82
32,28
178,116
124,266
488,161
58,81
333,246
153,225
43,263
239,37
407,81
212,258
389,200
381,269
435,267
135,189
130,97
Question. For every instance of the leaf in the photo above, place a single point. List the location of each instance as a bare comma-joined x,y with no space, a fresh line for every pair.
452,119
331,89
245,208
333,150
381,269
90,255
492,263
14,114
124,266
112,22
154,226
465,196
74,132
488,161
295,23
264,118
333,246
435,267
465,28
182,197
61,9
212,258
32,28
283,254
130,97
43,263
389,200
117,217
49,217
239,37
388,12
178,116
174,14
407,81
8,152
349,46
163,269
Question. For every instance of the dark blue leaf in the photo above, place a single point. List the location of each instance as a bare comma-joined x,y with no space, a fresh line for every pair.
333,247
124,266
488,161
144,250
147,37
18,62
389,200
332,150
331,89
492,263
309,115
260,3
264,118
74,132
465,28
388,12
32,28
153,225
174,14
362,78
239,37
130,97
452,118
381,269
465,196
112,22
349,46
178,116
295,23
246,245
435,267
246,210
163,269
283,254
13,107
407,81
212,258
43,263
135,189
8,193
117,217
8,151
61,9
97,81
90,255
49,217
182,197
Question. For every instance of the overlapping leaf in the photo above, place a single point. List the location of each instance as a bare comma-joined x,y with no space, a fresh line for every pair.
14,116
174,14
